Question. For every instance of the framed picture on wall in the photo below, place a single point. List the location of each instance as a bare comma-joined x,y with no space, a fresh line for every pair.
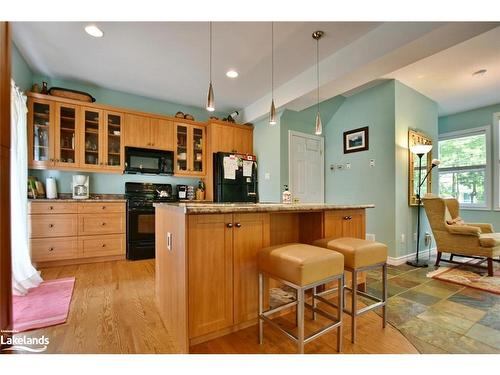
356,140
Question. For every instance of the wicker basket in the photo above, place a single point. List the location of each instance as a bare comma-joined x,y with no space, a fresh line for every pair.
71,94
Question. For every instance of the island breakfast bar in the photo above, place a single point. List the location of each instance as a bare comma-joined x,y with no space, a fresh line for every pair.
206,258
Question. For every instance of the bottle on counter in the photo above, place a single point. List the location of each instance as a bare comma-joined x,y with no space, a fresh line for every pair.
287,196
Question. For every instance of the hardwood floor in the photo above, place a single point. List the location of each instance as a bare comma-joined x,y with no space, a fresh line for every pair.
113,311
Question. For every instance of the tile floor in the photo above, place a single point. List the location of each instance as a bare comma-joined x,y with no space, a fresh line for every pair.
440,317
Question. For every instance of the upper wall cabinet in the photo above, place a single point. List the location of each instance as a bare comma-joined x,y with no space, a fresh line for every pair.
113,149
149,132
231,138
66,135
92,138
190,149
41,133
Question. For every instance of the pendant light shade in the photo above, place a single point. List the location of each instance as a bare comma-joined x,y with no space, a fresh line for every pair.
210,96
272,112
318,128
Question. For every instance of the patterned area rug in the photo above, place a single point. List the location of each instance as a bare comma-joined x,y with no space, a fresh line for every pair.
473,277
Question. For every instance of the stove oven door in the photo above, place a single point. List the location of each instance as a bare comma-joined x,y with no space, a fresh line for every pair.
140,233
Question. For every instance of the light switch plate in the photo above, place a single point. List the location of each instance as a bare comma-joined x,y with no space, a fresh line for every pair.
267,176
347,165
372,162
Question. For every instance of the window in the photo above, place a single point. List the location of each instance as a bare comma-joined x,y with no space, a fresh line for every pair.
464,170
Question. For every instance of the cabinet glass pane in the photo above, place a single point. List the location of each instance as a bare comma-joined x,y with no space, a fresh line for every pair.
182,148
114,139
197,150
67,134
41,122
91,137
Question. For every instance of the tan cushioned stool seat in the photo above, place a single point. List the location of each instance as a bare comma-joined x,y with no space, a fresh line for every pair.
489,239
300,264
357,252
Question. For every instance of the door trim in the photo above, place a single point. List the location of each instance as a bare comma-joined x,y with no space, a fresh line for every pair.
322,145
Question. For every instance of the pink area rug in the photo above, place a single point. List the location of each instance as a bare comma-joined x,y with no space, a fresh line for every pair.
44,306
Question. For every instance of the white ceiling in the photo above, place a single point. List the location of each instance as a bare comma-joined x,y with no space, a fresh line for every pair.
446,76
169,60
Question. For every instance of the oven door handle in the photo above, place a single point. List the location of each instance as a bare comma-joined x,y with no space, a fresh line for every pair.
146,210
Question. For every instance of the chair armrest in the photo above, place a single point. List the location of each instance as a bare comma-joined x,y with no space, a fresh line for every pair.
485,228
465,230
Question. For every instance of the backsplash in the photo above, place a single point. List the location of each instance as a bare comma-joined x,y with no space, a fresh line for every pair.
106,183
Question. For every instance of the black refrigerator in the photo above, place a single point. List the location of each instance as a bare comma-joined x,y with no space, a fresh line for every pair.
235,178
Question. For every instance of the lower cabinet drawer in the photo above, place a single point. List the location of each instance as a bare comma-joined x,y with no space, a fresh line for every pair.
57,225
89,224
48,249
102,245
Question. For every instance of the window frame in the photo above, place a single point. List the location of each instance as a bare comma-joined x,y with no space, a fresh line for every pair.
496,161
486,130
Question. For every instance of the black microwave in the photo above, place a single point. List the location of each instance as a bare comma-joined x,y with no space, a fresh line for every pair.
148,161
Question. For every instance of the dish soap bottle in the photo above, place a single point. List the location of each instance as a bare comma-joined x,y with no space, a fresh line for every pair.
287,196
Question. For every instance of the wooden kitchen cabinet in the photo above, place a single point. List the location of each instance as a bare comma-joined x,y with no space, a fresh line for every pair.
66,232
149,132
345,223
231,138
189,156
92,126
210,283
67,136
112,148
250,234
41,118
243,140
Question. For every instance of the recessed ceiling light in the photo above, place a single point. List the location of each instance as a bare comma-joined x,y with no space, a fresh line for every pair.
94,31
232,73
479,73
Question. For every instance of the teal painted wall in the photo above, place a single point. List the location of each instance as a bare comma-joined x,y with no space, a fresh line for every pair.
106,183
20,71
466,120
374,108
266,145
418,112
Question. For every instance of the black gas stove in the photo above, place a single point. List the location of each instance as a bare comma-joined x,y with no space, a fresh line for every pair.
141,216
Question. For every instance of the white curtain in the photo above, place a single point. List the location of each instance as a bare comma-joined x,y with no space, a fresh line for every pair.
24,275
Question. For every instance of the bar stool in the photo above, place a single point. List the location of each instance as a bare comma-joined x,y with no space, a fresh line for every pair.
360,255
301,267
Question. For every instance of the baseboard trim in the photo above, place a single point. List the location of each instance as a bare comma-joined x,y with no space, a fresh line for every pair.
396,261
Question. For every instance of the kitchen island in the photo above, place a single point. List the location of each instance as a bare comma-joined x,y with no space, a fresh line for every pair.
206,264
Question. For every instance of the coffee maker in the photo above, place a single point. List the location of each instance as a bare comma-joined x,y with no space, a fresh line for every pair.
80,187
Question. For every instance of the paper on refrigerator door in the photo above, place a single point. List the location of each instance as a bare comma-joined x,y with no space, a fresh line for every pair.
247,168
230,167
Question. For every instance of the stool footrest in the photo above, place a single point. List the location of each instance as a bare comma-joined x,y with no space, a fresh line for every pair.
279,308
322,331
321,312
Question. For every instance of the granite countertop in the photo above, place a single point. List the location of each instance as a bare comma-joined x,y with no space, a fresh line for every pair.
215,208
64,197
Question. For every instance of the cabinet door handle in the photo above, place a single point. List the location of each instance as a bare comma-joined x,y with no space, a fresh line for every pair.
51,208
51,225
103,207
51,249
238,225
103,223
347,217
103,245
229,225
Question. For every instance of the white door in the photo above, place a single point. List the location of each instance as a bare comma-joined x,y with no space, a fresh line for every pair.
306,167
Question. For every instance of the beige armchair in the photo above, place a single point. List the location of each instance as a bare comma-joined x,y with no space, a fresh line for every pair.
464,239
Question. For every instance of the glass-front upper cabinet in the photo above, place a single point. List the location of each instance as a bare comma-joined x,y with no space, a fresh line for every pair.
189,154
113,140
91,143
41,125
181,154
198,136
66,135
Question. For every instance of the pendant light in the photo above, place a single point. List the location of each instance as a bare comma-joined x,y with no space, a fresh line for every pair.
318,127
210,96
272,112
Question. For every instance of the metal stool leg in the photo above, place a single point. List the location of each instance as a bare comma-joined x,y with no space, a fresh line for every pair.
314,302
261,307
300,317
354,305
340,310
384,295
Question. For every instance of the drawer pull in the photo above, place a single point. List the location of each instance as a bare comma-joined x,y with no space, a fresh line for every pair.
238,225
51,225
103,207
229,225
347,217
103,223
51,207
51,249
103,245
